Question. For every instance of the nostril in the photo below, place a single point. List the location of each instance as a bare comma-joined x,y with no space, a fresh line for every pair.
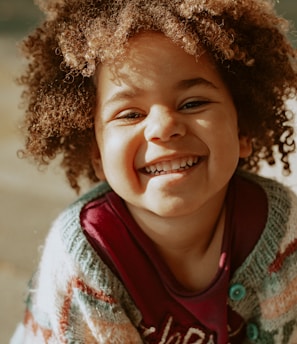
163,124
165,138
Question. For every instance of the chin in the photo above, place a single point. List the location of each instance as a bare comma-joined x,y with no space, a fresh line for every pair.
170,211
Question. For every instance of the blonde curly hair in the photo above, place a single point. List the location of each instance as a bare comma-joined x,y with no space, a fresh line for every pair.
246,38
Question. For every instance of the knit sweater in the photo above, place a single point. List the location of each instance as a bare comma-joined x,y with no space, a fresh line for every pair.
75,298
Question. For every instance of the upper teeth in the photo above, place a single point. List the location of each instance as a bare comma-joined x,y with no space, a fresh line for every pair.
172,165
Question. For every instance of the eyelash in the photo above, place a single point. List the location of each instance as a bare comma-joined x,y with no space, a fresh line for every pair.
194,104
133,115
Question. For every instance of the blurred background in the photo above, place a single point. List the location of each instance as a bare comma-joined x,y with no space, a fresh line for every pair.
31,199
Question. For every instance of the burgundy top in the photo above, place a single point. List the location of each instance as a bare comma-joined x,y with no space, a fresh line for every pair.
170,313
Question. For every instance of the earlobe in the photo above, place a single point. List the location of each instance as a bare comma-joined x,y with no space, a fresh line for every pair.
245,146
97,162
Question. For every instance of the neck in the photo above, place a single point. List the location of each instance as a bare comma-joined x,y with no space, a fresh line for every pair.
182,232
189,241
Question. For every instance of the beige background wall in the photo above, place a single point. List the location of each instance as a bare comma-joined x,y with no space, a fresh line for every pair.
30,200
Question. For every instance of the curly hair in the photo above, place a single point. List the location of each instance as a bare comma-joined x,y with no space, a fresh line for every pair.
246,38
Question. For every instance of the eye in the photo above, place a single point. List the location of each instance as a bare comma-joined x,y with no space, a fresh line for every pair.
193,104
130,116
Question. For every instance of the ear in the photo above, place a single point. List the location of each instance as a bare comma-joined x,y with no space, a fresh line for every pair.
97,162
245,146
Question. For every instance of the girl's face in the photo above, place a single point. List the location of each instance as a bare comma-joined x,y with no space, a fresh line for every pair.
166,129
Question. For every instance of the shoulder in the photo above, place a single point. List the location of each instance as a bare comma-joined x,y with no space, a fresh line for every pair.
280,232
67,243
72,275
68,257
281,200
275,191
68,225
282,213
66,250
269,274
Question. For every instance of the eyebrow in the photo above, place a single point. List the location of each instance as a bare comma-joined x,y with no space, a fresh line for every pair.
124,95
188,83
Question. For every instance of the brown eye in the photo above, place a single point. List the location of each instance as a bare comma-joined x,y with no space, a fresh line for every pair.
194,104
131,115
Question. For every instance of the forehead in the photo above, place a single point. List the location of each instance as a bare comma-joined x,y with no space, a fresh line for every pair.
149,45
151,56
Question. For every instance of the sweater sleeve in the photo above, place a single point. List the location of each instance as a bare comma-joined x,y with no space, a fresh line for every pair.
75,298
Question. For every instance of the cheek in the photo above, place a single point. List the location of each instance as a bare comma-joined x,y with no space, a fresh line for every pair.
217,131
223,143
118,152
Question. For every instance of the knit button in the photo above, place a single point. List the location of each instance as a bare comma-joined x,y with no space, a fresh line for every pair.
237,292
252,331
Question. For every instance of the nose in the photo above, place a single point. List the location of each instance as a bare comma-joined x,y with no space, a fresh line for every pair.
164,125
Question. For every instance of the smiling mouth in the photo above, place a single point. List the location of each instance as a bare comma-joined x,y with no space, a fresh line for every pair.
171,166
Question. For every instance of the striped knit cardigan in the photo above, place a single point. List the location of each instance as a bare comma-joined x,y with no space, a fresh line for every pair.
75,298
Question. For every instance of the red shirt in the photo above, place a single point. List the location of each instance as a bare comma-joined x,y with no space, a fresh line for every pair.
171,313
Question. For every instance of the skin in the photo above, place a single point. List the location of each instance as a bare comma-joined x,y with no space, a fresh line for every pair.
168,144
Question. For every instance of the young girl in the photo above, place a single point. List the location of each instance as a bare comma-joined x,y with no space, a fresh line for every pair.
172,105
